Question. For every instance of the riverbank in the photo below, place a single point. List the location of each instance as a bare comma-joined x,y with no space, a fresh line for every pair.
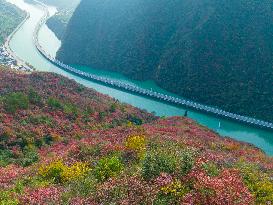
15,62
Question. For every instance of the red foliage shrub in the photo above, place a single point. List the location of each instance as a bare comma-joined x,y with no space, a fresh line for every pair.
225,189
42,196
9,174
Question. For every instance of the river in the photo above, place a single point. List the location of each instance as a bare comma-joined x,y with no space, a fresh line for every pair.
22,44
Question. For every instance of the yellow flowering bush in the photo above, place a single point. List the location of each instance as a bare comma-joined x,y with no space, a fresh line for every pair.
175,189
59,172
77,170
56,138
129,124
52,171
108,167
7,198
258,183
232,146
136,144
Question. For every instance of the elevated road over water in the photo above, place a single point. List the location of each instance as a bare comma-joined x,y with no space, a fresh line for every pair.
158,96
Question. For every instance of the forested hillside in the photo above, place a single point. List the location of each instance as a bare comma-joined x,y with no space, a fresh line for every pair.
62,143
213,51
59,21
10,17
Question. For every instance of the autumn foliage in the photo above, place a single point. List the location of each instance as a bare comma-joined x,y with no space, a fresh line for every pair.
72,145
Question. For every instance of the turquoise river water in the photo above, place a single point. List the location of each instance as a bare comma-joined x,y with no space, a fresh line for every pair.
22,44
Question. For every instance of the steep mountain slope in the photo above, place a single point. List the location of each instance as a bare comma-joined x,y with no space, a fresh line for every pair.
59,21
215,52
10,17
62,143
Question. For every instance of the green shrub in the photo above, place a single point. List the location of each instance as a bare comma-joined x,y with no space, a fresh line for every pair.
30,156
27,157
107,167
211,169
70,109
88,111
48,139
82,187
157,162
116,123
186,162
86,114
7,198
80,88
135,120
25,138
15,101
34,97
39,142
40,119
4,138
54,103
113,108
102,115
87,152
36,182
6,157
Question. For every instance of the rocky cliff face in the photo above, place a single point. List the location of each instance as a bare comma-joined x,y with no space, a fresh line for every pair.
215,52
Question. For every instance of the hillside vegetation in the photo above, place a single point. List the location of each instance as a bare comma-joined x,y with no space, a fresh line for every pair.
10,17
59,21
62,143
213,51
